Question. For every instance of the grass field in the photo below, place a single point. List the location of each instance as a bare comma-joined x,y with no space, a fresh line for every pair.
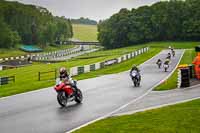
176,45
85,32
17,52
180,118
27,77
171,83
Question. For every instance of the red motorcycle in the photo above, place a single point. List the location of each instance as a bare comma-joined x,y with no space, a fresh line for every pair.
67,93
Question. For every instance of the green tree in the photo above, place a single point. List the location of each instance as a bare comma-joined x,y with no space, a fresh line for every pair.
172,20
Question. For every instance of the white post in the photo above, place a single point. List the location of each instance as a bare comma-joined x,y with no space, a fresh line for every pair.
136,53
97,66
129,56
124,56
179,79
86,68
74,71
119,60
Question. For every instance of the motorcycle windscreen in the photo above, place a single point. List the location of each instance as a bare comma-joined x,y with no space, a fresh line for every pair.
134,73
59,87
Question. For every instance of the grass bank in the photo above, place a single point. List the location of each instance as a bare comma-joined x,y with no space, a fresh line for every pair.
171,82
85,32
180,118
176,45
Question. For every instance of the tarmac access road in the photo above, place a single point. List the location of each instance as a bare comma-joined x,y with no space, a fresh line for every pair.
157,99
39,112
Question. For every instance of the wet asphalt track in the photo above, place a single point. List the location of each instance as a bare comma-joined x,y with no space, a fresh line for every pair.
39,112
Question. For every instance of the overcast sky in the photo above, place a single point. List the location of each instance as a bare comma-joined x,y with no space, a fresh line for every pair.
93,9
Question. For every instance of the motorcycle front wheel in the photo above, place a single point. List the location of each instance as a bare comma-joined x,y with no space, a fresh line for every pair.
79,96
135,82
62,99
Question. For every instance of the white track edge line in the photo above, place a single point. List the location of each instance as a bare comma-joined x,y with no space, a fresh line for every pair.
132,101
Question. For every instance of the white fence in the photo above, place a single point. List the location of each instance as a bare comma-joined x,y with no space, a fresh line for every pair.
92,67
45,56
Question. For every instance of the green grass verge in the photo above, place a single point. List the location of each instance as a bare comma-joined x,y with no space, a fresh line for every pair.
180,118
85,32
59,47
110,54
176,45
17,52
27,77
171,82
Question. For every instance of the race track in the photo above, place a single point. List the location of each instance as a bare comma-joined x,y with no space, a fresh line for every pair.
39,112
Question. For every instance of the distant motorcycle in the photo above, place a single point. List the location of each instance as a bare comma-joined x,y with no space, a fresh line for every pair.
173,53
159,63
135,78
168,56
66,93
166,66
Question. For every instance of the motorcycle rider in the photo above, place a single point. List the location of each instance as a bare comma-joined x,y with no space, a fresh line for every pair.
173,52
66,77
63,73
159,63
169,56
135,68
167,61
166,64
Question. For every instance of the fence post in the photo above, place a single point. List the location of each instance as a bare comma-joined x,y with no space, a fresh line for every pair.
39,76
14,79
55,73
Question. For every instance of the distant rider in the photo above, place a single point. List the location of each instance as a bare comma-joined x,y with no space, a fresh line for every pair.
135,68
159,63
167,61
173,52
169,56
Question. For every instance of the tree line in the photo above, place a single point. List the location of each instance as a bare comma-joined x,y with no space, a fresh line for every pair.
83,20
29,24
173,20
